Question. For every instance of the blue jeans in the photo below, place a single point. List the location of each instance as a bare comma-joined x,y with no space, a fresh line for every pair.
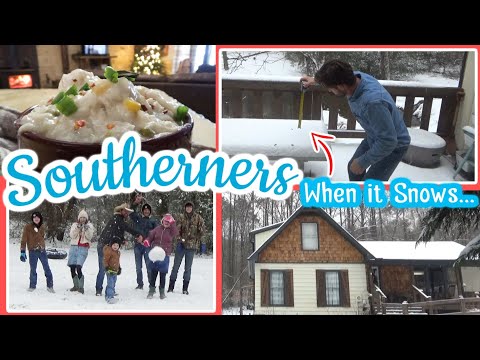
180,251
381,170
34,256
140,252
101,269
110,290
154,270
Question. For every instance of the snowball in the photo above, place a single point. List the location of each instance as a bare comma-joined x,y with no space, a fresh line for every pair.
157,254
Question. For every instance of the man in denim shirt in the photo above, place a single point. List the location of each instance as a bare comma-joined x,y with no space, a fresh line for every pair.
387,139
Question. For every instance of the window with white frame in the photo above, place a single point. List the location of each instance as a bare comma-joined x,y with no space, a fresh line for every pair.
277,288
332,286
310,236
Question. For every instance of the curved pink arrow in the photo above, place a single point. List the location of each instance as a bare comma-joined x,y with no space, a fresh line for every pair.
321,138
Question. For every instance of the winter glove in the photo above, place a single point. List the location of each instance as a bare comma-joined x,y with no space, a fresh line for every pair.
23,256
203,248
146,243
119,271
111,272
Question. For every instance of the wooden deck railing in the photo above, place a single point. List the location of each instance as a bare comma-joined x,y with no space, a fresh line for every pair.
281,99
459,306
419,292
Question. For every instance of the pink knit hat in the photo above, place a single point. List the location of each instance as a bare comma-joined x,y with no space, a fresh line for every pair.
169,218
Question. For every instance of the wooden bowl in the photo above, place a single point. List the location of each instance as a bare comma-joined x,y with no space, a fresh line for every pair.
49,150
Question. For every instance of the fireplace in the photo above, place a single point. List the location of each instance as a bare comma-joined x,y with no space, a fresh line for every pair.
23,81
18,67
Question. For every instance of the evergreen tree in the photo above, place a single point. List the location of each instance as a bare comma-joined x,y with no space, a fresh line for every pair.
454,221
148,61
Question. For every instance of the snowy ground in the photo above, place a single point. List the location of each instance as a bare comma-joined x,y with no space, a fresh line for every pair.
200,299
236,311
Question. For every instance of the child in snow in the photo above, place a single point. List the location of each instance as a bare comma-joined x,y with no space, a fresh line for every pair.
111,263
33,238
162,238
81,234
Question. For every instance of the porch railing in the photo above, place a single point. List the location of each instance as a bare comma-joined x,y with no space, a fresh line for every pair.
421,293
263,99
459,306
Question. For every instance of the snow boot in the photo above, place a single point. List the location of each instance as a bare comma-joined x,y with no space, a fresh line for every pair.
139,287
151,291
185,287
50,290
112,300
162,293
171,285
81,282
75,283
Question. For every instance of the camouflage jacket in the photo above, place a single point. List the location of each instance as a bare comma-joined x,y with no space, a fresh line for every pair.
191,227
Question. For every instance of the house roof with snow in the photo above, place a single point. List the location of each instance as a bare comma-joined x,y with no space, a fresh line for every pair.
407,250
304,210
378,252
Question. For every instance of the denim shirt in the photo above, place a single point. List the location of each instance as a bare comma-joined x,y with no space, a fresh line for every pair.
376,111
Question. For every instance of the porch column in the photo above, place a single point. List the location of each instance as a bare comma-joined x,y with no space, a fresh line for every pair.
466,111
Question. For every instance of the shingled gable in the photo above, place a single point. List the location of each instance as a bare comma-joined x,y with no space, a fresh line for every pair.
304,210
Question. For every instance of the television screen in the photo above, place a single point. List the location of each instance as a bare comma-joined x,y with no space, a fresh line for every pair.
95,50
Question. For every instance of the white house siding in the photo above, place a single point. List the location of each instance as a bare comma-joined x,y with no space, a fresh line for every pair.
263,236
471,278
305,289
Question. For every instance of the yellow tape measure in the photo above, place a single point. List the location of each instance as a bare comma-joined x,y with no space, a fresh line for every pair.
300,109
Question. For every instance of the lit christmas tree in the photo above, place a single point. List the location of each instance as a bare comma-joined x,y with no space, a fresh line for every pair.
148,61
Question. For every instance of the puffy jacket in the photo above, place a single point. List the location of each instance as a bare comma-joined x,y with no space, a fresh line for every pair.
81,235
163,237
111,258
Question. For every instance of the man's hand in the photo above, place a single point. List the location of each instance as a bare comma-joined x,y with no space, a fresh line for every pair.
356,168
307,81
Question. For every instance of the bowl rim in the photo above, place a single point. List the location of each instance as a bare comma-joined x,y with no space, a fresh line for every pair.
185,129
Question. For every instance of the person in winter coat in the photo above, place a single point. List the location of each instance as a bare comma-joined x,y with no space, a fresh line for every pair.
33,239
387,140
162,236
111,264
114,230
143,223
191,228
81,234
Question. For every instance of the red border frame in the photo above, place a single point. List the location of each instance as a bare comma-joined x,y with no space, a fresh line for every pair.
217,198
3,265
465,187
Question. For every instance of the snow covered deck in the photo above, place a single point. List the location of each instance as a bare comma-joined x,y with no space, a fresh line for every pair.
281,138
275,138
343,150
